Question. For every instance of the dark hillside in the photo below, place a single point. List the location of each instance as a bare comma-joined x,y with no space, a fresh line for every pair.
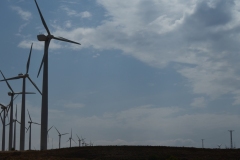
126,153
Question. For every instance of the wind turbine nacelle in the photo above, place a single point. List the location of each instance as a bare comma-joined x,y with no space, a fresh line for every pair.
41,37
10,93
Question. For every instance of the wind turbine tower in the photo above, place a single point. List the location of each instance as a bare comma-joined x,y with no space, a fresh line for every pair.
202,143
14,136
59,134
30,130
231,138
44,111
4,108
79,141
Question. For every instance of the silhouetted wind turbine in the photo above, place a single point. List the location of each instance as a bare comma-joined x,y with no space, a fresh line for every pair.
30,129
79,141
59,134
12,94
219,146
22,129
15,121
70,138
48,131
83,141
4,108
44,114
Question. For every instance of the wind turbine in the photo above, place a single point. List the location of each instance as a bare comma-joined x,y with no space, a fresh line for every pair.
30,129
4,108
44,113
70,138
22,129
12,94
60,136
15,121
83,141
219,146
79,141
48,131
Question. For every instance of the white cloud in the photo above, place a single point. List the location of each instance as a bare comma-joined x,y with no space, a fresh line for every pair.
85,14
71,12
68,24
74,105
182,33
199,102
38,45
25,15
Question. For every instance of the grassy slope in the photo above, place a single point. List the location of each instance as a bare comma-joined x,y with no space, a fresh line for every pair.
126,152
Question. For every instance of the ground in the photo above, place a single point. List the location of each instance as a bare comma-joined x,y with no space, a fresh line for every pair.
125,153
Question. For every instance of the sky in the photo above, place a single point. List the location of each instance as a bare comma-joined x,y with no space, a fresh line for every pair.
147,72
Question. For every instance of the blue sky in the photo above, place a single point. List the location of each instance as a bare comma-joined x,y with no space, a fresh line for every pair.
147,73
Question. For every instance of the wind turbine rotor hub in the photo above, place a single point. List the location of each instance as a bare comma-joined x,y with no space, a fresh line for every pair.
42,37
50,36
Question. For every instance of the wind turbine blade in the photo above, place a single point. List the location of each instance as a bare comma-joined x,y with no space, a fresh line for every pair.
8,108
43,21
65,40
1,117
29,116
34,85
73,140
30,93
13,78
36,123
29,57
7,124
18,122
50,128
67,140
15,97
7,82
64,134
78,137
16,113
7,117
28,128
56,129
71,132
41,65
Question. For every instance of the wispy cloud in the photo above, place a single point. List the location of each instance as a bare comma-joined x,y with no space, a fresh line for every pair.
199,102
74,105
203,44
25,15
71,12
38,45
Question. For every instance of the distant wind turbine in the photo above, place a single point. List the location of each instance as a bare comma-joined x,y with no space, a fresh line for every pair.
83,141
44,113
70,138
79,141
48,131
12,94
30,129
219,146
15,121
59,134
4,108
22,129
